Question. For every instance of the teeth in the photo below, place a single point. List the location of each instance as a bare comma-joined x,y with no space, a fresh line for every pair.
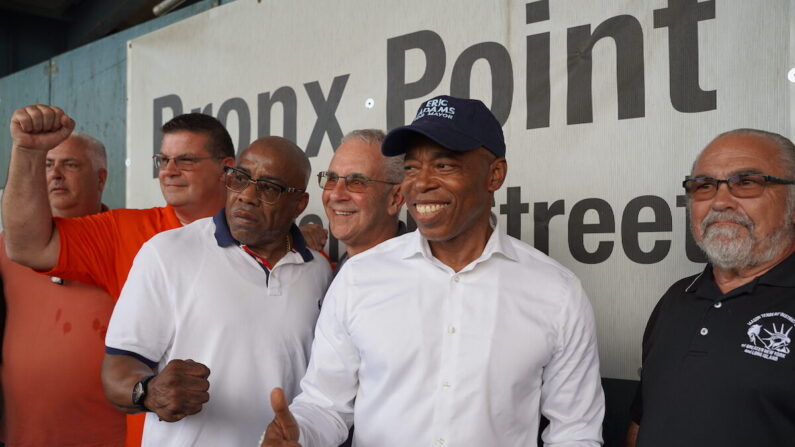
430,208
343,213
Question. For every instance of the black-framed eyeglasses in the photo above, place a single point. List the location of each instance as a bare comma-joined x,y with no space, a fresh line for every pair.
181,162
353,182
744,186
267,191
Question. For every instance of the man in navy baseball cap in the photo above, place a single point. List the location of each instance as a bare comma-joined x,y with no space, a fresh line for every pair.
458,124
462,333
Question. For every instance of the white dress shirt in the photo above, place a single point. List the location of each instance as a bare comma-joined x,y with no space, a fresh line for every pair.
416,354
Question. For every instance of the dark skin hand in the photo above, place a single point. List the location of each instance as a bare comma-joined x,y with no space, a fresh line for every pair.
179,390
283,430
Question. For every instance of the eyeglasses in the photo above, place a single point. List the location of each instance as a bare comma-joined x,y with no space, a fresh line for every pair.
267,191
353,182
744,186
181,162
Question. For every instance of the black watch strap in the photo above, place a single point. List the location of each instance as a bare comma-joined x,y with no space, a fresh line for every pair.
139,393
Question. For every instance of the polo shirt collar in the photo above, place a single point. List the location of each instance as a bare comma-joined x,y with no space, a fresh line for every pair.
223,236
498,243
779,276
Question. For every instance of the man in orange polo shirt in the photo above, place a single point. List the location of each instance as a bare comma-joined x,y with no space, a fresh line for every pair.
99,249
58,325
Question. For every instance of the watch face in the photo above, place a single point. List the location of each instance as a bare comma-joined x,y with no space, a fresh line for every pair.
138,393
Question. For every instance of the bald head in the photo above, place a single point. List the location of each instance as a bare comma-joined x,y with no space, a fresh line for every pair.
94,149
285,153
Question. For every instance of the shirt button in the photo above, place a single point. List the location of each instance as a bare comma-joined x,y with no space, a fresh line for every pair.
451,330
446,385
456,278
704,331
440,441
718,305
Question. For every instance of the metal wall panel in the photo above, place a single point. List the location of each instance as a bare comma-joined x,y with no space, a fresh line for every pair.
29,86
89,83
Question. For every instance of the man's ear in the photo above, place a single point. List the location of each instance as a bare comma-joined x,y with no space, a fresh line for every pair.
303,201
497,172
395,200
227,161
103,178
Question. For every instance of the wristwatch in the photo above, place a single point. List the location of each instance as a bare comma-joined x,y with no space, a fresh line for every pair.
139,393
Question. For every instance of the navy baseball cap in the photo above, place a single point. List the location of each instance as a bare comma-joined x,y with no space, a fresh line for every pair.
456,124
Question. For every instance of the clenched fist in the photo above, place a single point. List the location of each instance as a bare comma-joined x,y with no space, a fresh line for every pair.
39,127
179,390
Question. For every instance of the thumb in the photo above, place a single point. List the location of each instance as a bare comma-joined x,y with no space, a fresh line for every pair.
67,126
283,417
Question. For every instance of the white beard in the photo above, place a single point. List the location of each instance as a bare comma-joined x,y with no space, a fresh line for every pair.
729,249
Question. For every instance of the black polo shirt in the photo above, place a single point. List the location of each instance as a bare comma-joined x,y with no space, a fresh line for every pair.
718,369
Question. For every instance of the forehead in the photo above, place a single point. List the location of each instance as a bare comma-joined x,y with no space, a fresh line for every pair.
72,148
734,154
357,157
185,143
262,161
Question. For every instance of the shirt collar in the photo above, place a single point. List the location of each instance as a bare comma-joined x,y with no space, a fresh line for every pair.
498,243
780,275
223,236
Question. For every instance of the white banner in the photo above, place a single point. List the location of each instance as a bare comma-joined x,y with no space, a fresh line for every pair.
605,105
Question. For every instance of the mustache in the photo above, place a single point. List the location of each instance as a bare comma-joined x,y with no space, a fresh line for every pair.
726,216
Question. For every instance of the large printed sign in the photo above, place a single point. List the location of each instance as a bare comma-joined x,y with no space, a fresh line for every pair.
604,104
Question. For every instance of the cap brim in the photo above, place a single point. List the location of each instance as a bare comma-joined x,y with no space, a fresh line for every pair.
397,141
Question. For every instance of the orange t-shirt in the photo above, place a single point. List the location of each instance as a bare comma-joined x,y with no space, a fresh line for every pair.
53,347
99,249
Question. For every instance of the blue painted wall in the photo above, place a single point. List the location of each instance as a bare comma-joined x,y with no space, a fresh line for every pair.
89,83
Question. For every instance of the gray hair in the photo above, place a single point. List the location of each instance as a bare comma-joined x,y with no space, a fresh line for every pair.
786,153
94,149
393,166
786,150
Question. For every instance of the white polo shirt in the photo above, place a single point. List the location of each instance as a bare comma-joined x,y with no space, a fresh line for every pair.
435,357
193,293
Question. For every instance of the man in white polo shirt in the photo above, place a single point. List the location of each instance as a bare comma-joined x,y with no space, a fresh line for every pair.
456,334
215,314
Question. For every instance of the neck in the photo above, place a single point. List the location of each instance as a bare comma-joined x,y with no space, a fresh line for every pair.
188,213
388,231
78,211
728,280
461,250
274,250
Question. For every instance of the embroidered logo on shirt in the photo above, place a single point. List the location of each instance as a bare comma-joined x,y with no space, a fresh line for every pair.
768,336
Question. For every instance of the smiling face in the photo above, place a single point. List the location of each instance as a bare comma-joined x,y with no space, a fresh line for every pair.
74,181
256,224
361,219
199,191
736,232
449,194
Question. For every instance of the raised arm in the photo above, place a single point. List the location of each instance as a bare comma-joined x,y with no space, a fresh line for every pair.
30,237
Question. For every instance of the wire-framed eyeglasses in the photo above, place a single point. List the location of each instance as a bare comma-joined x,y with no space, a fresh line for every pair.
181,162
267,191
353,182
744,186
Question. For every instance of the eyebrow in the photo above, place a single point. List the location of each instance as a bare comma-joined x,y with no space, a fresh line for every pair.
63,159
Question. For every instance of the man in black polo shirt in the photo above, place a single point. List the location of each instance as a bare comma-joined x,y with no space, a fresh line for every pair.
717,363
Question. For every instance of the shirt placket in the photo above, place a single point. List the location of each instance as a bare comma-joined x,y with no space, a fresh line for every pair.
444,408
